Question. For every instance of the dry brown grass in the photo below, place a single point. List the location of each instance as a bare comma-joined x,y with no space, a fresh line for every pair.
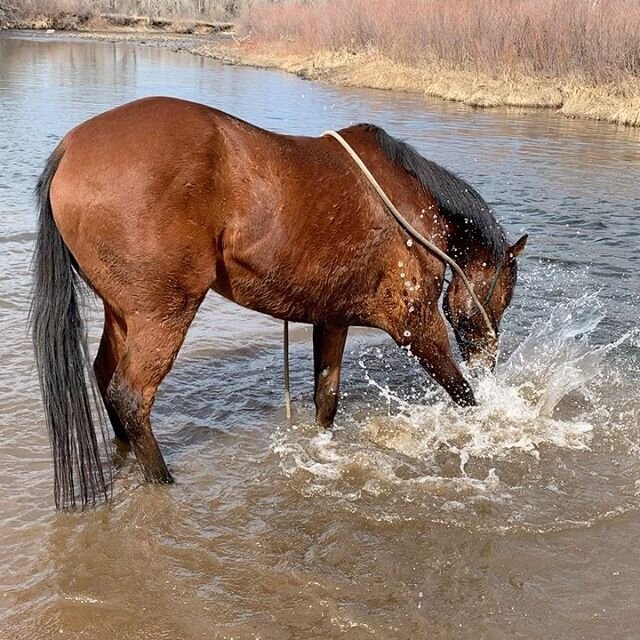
581,56
595,38
183,16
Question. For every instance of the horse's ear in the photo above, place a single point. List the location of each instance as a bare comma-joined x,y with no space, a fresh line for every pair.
518,246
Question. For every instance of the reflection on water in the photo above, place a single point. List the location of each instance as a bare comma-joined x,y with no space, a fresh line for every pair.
416,519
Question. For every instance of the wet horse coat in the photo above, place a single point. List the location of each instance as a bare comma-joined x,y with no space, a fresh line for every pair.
159,201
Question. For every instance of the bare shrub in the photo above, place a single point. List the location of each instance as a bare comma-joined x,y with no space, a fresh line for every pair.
595,39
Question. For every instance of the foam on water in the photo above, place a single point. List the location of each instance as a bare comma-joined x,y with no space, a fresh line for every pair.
518,408
425,448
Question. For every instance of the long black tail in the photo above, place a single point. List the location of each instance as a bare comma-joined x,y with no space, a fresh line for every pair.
62,358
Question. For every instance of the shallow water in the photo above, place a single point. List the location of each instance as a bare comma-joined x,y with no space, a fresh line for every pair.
416,519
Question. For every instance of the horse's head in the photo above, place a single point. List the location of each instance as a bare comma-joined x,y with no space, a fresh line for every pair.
494,285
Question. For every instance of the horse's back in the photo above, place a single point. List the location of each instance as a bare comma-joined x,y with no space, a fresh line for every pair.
134,152
161,199
131,198
142,152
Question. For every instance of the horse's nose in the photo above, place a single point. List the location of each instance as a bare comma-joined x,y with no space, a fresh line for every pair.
482,360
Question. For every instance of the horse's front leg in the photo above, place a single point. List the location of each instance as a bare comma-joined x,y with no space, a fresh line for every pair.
328,347
429,342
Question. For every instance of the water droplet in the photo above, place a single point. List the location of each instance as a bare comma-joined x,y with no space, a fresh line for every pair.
409,242
407,334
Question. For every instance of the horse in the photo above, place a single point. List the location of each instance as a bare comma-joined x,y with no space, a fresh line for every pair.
157,202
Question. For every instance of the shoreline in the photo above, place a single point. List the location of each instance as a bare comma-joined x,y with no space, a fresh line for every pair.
570,97
79,23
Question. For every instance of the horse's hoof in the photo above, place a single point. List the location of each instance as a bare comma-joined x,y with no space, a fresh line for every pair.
158,476
324,424
464,397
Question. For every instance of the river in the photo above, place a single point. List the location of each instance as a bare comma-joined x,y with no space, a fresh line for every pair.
516,519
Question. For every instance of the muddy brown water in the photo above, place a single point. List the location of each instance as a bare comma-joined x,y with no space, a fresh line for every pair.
516,519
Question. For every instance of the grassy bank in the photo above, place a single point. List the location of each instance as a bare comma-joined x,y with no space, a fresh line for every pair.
581,57
168,10
90,19
116,23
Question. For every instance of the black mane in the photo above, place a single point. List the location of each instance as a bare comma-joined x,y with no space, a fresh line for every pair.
456,198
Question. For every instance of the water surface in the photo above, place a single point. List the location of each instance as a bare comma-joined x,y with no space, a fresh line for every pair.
515,519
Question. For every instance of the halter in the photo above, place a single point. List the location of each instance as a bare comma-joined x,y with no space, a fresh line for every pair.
491,290
494,282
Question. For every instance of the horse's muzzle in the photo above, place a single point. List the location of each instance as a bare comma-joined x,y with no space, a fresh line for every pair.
478,353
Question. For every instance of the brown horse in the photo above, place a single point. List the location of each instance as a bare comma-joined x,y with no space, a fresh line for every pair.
157,202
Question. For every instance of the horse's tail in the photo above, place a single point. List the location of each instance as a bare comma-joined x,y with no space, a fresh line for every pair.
62,359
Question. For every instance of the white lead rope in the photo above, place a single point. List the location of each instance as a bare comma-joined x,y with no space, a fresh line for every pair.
412,231
406,225
287,387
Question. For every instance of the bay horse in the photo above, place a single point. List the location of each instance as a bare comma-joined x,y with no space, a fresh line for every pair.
157,202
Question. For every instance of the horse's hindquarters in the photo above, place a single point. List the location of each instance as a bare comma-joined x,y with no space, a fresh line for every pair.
132,200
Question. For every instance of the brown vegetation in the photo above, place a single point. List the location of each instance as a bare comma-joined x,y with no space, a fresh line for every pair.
7,15
187,16
182,9
582,56
593,38
579,56
182,16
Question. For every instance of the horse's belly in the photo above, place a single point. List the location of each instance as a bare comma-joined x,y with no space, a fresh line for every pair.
287,294
259,295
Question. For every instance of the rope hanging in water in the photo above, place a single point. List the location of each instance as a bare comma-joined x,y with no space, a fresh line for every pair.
412,231
287,389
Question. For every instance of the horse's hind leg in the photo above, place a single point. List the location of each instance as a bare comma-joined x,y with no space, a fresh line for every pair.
150,349
109,355
328,347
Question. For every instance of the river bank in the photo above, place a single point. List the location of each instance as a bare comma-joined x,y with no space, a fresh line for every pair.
581,58
100,23
571,96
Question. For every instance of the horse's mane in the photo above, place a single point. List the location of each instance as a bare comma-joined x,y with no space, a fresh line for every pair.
457,200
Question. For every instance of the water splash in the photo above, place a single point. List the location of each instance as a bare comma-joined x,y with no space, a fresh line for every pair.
505,452
556,357
521,407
